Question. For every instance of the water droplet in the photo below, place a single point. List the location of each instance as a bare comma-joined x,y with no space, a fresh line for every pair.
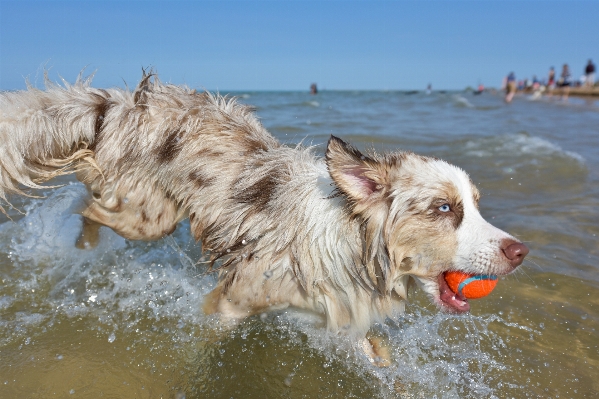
72,391
268,274
111,338
243,242
125,200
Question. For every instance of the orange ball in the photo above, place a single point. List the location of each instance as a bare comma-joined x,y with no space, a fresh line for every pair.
471,286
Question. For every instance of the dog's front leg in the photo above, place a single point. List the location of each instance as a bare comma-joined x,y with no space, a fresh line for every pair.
90,234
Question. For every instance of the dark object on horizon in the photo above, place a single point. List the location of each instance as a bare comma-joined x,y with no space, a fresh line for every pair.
313,89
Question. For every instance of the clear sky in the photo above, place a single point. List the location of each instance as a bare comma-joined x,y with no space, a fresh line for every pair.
287,45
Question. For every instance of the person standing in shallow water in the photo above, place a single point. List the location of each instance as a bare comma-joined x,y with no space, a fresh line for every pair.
589,73
551,79
510,87
313,89
565,81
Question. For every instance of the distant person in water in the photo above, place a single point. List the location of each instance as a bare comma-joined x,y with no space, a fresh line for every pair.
510,87
429,89
551,79
565,81
589,73
313,89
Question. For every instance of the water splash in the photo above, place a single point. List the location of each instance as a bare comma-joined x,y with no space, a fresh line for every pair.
136,292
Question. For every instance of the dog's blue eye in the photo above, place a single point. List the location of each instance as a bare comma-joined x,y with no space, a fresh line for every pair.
445,208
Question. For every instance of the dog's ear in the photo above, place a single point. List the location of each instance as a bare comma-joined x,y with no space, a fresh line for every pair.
356,175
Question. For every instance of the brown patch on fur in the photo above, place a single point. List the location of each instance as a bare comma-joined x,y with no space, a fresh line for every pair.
206,153
253,145
458,210
101,110
455,214
475,194
260,193
200,179
228,280
140,95
171,147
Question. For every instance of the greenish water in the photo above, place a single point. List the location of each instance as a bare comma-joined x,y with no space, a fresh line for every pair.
124,320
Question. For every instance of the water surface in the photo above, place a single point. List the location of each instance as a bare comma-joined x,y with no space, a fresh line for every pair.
124,319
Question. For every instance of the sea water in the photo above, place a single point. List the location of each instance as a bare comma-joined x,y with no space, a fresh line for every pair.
124,319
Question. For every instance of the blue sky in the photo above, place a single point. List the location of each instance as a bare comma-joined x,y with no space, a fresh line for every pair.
286,45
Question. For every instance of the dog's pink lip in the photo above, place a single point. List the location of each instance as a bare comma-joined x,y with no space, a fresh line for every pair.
451,301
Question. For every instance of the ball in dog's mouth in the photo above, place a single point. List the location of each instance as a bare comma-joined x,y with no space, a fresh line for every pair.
456,303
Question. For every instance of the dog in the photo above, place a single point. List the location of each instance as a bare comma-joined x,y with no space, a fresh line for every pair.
340,237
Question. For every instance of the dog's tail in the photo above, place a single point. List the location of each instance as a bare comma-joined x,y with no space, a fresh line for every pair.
45,133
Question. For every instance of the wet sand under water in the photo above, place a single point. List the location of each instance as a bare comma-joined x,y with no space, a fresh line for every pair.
124,319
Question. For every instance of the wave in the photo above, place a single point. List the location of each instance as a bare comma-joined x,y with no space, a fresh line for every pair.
462,101
518,145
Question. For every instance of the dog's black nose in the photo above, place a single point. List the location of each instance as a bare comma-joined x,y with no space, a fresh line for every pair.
515,252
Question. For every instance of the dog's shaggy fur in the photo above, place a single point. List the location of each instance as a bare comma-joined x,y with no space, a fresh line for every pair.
339,236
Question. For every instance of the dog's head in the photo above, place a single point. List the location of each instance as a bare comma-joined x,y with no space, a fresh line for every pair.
419,219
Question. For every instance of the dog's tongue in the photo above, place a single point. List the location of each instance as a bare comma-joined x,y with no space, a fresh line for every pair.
455,302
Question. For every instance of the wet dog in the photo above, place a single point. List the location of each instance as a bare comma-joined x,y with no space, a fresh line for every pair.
340,236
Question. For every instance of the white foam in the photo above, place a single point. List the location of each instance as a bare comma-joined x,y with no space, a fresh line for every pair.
463,101
516,145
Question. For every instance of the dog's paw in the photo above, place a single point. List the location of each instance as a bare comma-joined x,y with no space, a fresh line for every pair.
377,351
90,235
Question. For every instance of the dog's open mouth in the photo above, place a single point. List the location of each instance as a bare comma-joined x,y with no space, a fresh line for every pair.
452,302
